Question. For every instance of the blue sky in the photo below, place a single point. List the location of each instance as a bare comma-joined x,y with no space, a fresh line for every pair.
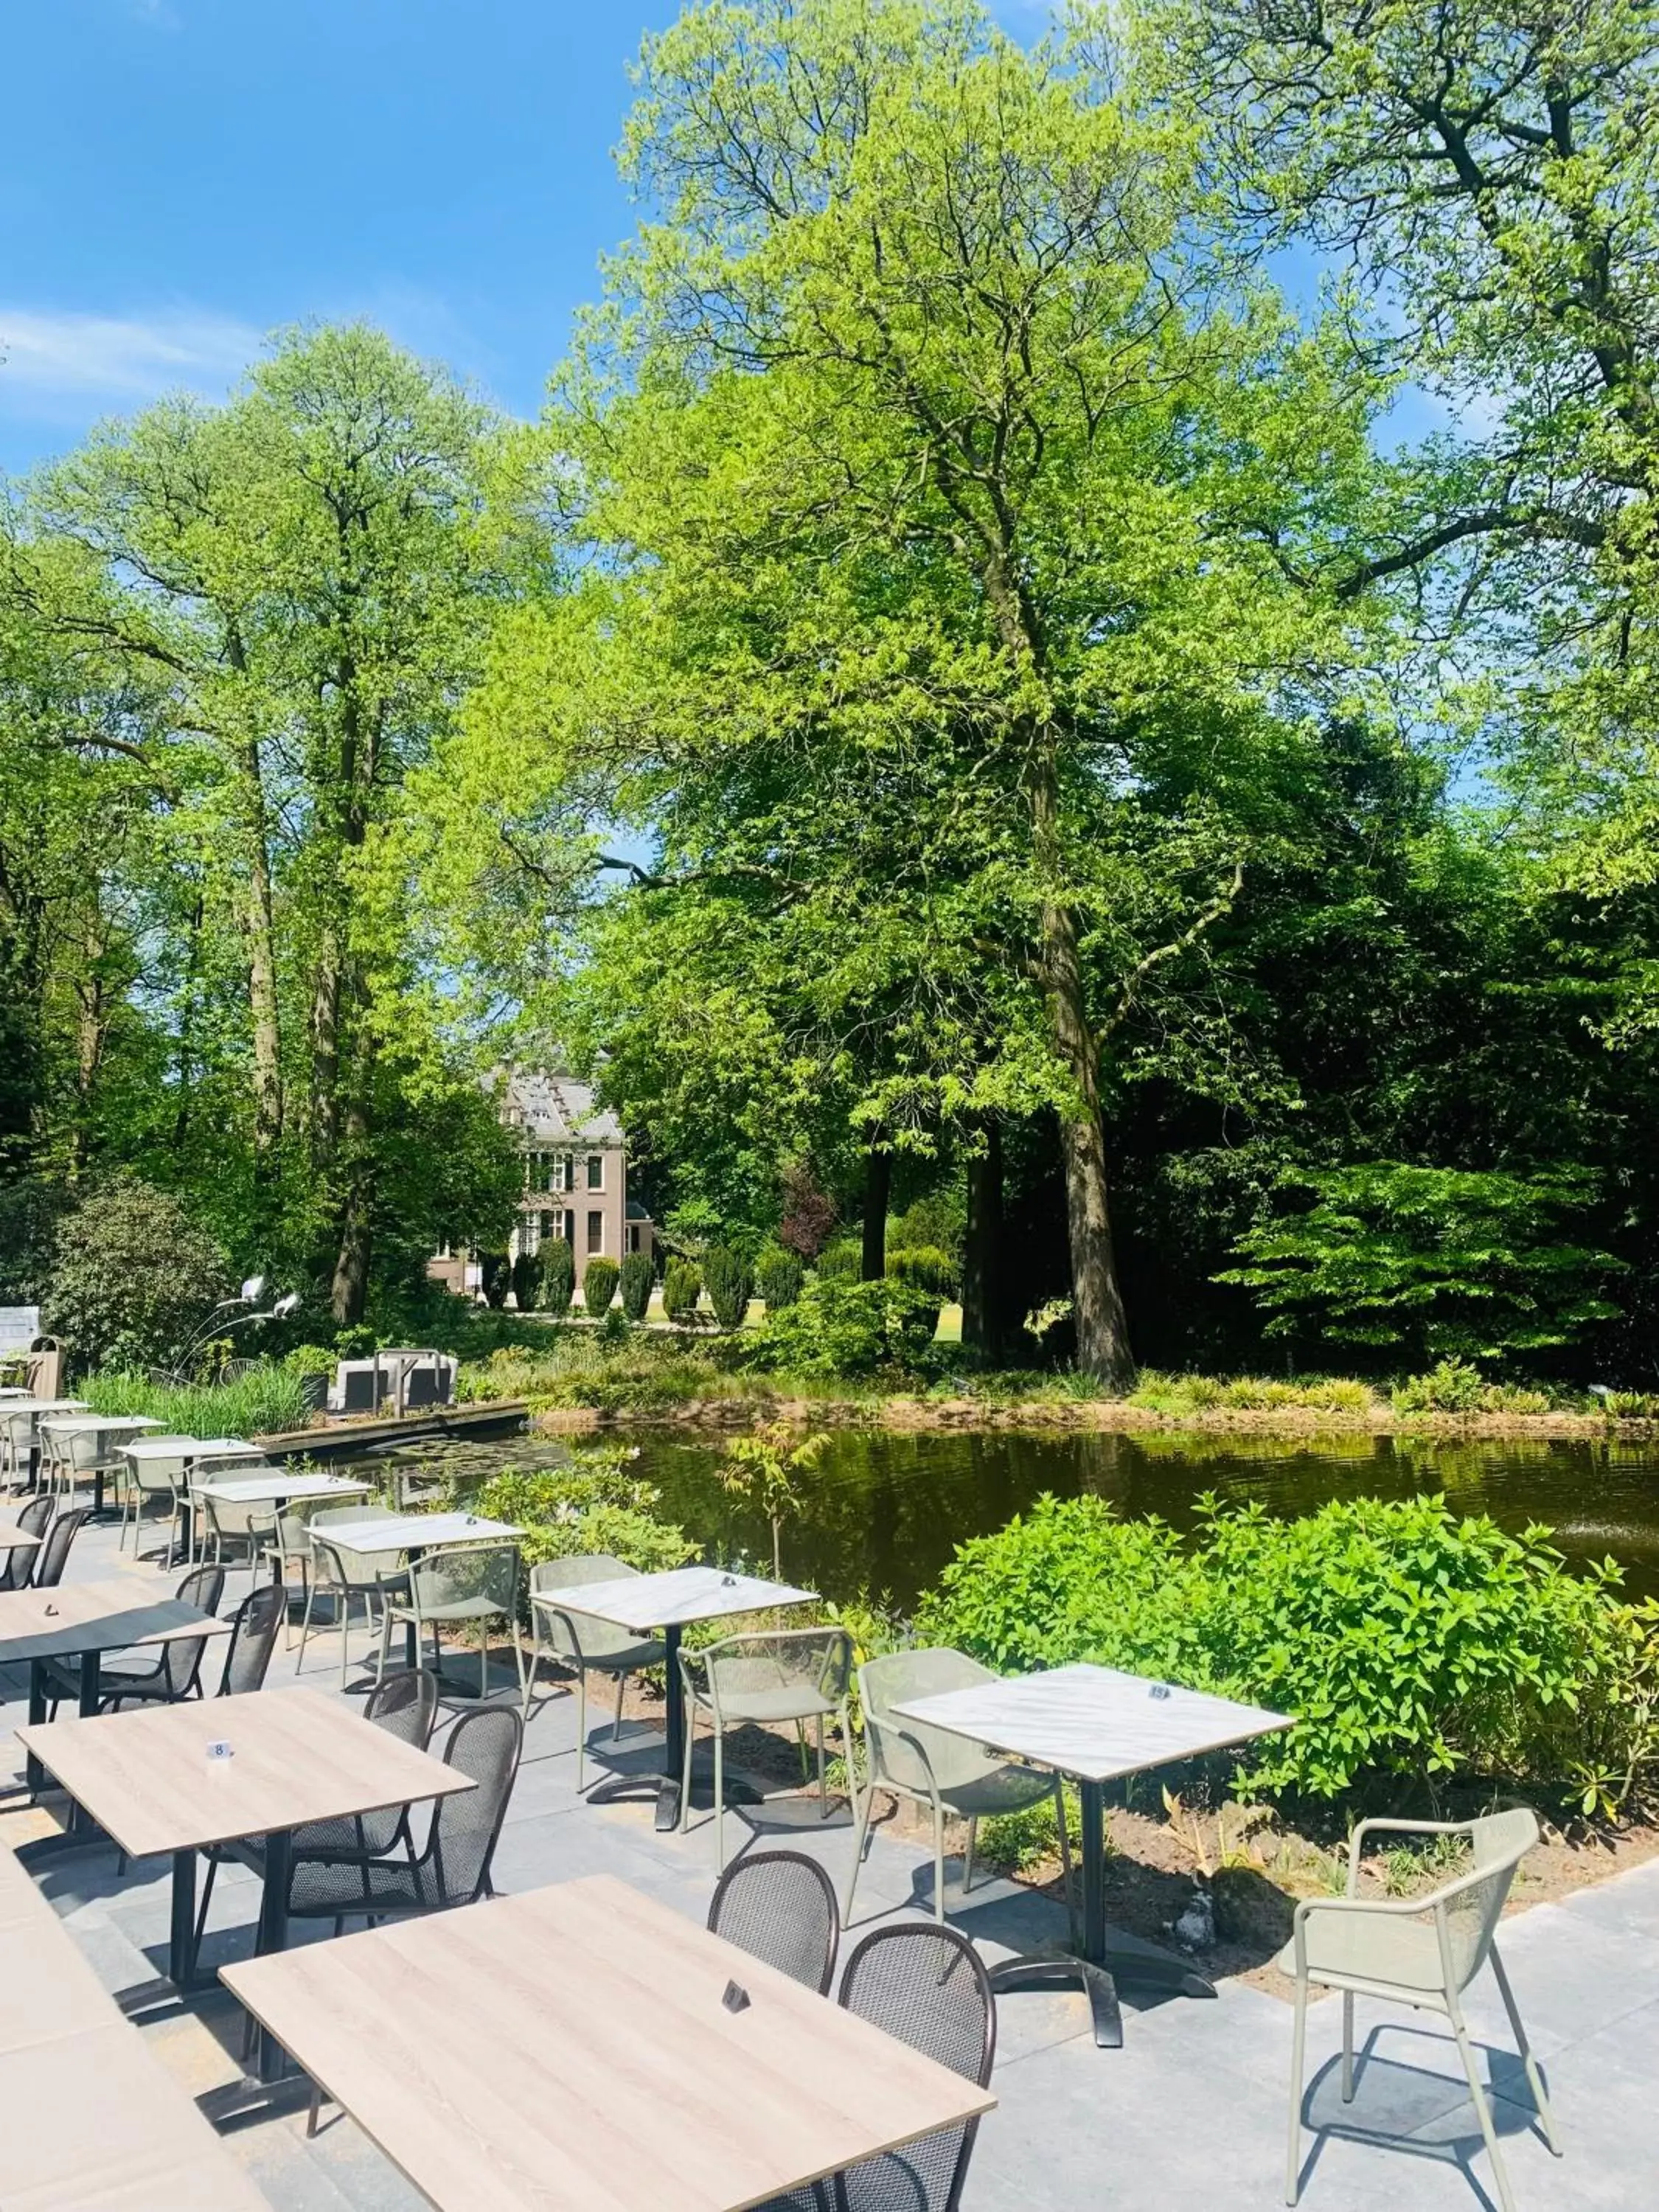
179,177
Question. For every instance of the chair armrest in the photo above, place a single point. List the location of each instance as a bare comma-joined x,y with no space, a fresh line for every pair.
1388,1827
1378,1908
876,1729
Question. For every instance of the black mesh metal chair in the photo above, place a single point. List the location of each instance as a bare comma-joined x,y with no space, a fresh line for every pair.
780,1906
453,1866
54,1552
175,1675
406,1705
925,1986
32,1519
252,1640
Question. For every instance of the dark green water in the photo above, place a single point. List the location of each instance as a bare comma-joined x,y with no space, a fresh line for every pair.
885,1510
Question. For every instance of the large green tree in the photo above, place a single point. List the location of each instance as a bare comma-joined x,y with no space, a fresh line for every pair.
929,490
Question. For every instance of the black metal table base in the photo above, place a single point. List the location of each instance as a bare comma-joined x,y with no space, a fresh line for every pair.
1066,1971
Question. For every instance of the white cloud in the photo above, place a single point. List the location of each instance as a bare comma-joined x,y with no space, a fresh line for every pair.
47,356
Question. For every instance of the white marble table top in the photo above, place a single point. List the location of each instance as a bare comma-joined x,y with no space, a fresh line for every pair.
674,1598
1092,1722
189,1448
39,1407
14,1390
83,1424
274,1483
425,1532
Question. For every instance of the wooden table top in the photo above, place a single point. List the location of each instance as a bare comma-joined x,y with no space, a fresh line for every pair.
673,1598
101,1616
13,1539
147,1775
90,2120
568,2051
1094,1722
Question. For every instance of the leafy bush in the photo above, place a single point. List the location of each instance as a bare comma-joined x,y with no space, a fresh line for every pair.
1406,1641
1197,1393
925,1268
845,1329
526,1274
133,1276
681,1286
594,1504
599,1285
730,1284
1442,1261
842,1261
558,1276
778,1279
494,1278
30,1212
266,1402
1455,1386
637,1276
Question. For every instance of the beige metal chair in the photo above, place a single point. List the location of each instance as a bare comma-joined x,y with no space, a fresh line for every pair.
157,1485
582,1641
344,1577
932,1767
1418,1951
759,1680
468,1586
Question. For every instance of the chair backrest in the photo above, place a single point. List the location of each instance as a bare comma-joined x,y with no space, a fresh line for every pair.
569,1633
1473,1903
420,1387
486,1573
52,1554
405,1704
925,1985
83,1450
32,1519
181,1658
251,1639
485,1743
780,1906
17,1434
160,1475
815,1660
895,1679
359,1390
237,1519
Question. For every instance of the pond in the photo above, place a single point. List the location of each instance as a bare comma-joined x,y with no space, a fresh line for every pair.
886,1509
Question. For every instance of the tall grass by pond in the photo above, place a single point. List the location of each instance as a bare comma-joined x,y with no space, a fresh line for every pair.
262,1403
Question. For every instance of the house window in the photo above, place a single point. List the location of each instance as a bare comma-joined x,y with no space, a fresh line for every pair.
596,1171
546,1229
566,1171
634,1236
596,1231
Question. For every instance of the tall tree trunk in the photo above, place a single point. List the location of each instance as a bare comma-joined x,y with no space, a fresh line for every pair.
325,1050
258,930
878,1183
349,1291
980,1329
1102,1331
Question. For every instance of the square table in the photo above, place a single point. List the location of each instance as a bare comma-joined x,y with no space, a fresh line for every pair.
670,1601
100,1425
84,1620
151,1781
273,1486
569,2050
418,1533
13,1539
1094,1723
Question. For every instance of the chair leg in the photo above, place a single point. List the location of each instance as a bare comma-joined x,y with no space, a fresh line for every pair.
524,1680
719,1797
1534,2078
1298,2050
968,1855
845,1721
616,1725
316,2107
685,1768
1066,1880
938,1860
858,1842
1483,2109
823,1794
581,1723
207,1899
1347,2047
345,1632
385,1640
304,1621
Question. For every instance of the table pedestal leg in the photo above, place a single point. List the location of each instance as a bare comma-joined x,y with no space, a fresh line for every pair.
666,1785
181,1929
273,1935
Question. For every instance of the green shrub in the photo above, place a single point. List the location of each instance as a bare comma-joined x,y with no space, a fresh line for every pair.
1196,1394
925,1268
264,1402
636,1277
1404,1641
496,1277
594,1504
845,1329
778,1279
30,1212
842,1261
133,1276
599,1285
681,1286
1454,1386
730,1284
558,1276
527,1275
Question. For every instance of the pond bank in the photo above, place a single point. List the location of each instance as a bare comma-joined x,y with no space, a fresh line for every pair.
913,1415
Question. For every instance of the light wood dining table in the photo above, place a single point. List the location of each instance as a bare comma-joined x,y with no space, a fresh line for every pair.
579,2048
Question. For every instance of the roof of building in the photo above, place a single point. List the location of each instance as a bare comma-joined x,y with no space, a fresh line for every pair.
557,1109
